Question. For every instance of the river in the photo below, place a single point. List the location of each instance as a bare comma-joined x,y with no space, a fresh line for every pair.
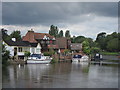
61,75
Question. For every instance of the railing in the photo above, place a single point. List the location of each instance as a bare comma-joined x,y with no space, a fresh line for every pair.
20,53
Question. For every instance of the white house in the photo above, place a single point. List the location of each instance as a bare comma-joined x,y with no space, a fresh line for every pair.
18,48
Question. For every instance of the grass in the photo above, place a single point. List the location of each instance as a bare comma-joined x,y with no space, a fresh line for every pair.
110,53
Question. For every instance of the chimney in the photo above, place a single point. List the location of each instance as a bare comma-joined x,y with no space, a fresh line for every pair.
14,39
31,30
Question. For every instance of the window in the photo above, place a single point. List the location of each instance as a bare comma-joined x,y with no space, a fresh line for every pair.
20,49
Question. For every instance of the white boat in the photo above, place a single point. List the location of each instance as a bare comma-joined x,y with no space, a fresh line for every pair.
76,58
38,59
80,58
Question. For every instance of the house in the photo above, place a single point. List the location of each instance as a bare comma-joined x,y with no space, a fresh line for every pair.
46,40
18,48
76,47
63,43
36,43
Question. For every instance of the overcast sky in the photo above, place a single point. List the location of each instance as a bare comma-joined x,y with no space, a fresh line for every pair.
87,19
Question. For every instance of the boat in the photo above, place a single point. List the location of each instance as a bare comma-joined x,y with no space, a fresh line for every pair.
97,57
38,59
80,58
76,58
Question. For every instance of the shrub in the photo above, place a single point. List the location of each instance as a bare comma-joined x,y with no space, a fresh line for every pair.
27,54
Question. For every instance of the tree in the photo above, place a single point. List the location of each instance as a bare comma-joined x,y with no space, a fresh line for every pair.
86,47
100,36
5,55
16,34
5,36
61,33
101,40
53,31
79,39
112,45
95,50
67,34
26,54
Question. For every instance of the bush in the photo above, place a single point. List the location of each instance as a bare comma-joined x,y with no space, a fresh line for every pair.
27,54
95,50
53,61
47,54
66,51
5,55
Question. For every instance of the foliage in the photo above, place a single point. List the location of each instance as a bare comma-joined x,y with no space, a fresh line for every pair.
95,50
53,61
101,40
86,47
109,42
5,36
67,34
66,51
50,53
60,33
26,54
79,39
5,55
112,45
53,31
16,34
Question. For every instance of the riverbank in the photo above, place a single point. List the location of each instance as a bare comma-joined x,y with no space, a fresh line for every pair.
110,53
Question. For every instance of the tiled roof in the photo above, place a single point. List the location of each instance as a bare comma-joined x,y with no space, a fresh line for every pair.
31,36
41,35
20,43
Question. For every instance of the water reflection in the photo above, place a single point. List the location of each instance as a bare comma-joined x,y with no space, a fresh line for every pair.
61,75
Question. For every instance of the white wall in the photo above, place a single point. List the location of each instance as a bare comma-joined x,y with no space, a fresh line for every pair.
9,48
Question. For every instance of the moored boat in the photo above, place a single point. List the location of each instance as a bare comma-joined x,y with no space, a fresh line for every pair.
38,59
80,58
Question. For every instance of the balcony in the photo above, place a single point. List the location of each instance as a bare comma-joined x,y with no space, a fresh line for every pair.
20,53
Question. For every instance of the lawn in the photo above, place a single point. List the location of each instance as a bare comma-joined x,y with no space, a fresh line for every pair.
110,53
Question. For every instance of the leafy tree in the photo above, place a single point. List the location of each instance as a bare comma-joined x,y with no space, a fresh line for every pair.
61,33
73,39
101,40
5,55
112,45
53,31
67,34
79,39
114,35
16,34
95,50
26,54
66,51
86,47
100,36
5,36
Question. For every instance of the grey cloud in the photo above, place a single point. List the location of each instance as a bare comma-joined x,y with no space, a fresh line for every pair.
47,13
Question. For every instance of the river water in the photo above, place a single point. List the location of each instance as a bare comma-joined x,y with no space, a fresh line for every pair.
61,75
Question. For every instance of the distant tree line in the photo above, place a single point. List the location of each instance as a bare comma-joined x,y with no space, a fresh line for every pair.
109,42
